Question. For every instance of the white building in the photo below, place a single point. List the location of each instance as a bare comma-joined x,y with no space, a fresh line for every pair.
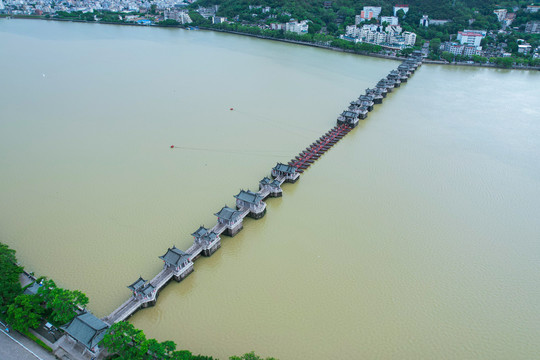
461,49
368,13
501,14
374,34
391,20
524,48
352,31
380,37
424,21
469,38
394,29
454,48
405,9
410,38
472,50
181,16
218,19
297,27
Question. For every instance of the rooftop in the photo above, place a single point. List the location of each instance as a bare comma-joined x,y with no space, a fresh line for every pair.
87,329
348,114
265,181
249,197
147,290
174,256
201,231
285,168
226,213
137,284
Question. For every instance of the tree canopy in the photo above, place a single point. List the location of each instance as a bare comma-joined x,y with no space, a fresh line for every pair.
62,304
130,343
10,286
25,312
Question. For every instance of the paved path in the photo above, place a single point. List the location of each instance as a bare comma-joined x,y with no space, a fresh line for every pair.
14,346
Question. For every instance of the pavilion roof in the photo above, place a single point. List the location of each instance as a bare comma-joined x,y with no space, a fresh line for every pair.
86,329
285,168
249,197
139,283
174,256
201,231
226,213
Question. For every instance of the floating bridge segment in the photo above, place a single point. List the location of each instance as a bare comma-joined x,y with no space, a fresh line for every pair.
178,264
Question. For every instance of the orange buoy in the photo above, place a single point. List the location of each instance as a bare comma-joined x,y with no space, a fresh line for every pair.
232,109
172,146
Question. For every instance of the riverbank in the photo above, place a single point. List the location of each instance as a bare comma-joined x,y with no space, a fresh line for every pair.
365,53
305,43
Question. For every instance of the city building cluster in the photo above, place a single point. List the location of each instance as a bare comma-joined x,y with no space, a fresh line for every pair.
467,43
41,7
385,32
390,35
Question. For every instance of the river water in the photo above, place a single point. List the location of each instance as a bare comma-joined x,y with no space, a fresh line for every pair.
415,237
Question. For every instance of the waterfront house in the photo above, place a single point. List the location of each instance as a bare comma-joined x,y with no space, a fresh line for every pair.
253,201
87,330
272,186
377,94
348,117
288,172
143,291
178,261
360,110
209,240
366,100
231,219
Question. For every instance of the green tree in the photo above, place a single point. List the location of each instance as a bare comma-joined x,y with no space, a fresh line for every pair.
126,341
25,312
62,303
406,51
181,355
479,59
506,62
169,22
10,286
447,56
250,356
434,45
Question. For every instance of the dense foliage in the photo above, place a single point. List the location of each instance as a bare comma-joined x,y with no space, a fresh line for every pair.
477,14
130,343
61,303
10,286
250,356
25,312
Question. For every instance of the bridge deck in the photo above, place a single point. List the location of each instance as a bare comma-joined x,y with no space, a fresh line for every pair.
304,160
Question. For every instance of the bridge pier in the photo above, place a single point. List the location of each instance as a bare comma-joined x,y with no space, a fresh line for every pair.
208,252
258,215
183,274
232,231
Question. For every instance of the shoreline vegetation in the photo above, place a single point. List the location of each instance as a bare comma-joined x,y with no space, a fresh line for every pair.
335,44
27,308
